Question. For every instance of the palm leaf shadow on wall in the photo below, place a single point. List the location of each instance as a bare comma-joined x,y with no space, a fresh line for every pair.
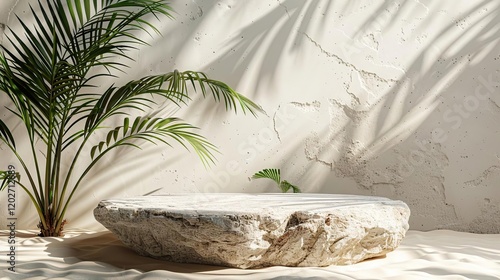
431,83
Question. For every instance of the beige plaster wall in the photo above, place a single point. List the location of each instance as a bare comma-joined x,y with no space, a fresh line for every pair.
391,98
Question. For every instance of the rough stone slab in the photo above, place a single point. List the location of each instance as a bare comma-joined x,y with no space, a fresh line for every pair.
257,230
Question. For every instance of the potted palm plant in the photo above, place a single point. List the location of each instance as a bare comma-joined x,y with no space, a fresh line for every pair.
50,73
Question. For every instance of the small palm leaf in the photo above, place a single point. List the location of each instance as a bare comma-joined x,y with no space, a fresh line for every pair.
6,135
7,177
4,177
285,186
273,174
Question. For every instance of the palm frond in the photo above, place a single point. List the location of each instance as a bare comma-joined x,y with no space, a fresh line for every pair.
173,86
273,174
114,101
219,90
154,130
6,135
285,187
111,29
8,177
5,178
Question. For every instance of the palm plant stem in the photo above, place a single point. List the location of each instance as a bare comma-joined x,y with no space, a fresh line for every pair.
36,199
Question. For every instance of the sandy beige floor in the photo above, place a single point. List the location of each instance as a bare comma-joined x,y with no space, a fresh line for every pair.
99,255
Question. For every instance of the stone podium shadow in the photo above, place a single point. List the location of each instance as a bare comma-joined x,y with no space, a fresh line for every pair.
105,248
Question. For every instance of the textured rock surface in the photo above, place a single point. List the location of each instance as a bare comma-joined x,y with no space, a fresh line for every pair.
257,230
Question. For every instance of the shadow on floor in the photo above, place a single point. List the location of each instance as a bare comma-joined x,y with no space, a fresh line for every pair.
105,248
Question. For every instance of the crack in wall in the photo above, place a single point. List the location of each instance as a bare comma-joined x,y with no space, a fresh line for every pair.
363,43
315,104
354,97
274,124
356,100
348,64
312,151
330,165
495,169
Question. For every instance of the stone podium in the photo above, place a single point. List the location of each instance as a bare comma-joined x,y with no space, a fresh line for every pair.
257,230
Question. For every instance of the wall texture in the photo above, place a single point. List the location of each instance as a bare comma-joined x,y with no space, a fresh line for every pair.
391,98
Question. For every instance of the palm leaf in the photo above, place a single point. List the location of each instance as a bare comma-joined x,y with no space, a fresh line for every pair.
173,86
220,91
285,187
7,177
273,174
6,135
111,29
154,130
115,101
